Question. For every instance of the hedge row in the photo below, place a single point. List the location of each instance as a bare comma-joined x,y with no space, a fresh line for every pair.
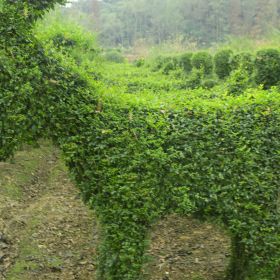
136,161
264,67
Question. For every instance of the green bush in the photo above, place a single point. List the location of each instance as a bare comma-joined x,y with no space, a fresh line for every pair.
268,67
243,60
139,62
203,60
157,63
185,62
194,80
170,63
114,56
137,159
70,39
238,82
209,83
222,61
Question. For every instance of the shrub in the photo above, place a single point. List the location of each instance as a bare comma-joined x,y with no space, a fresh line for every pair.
114,56
139,62
170,63
157,63
209,83
267,67
243,60
165,64
222,61
185,62
195,78
68,38
203,60
238,82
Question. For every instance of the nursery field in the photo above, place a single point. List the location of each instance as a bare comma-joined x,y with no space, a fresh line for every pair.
165,168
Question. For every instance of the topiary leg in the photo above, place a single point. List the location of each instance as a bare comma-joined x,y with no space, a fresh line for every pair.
122,248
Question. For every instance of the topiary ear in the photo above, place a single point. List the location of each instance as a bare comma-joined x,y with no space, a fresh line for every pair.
33,9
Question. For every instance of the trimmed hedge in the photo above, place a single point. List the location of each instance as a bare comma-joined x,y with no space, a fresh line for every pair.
222,61
203,60
245,61
136,161
268,67
185,62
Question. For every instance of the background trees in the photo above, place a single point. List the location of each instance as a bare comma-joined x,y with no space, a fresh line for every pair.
126,22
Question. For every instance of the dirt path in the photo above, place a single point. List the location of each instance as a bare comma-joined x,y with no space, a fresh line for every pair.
46,232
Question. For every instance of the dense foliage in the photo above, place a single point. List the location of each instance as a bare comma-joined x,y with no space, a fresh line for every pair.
268,67
223,65
137,157
203,61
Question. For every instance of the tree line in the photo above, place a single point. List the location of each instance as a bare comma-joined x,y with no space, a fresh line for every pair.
126,22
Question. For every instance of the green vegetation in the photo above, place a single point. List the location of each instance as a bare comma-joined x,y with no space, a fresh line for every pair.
223,60
203,61
140,144
268,67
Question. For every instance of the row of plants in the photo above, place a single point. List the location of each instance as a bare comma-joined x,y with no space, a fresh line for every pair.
139,157
261,68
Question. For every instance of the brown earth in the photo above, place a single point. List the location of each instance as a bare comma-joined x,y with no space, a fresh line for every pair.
46,232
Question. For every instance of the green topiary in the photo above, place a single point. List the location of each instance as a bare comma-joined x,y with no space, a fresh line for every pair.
238,81
243,60
203,60
195,79
139,62
267,67
185,62
170,63
209,83
136,160
114,56
222,61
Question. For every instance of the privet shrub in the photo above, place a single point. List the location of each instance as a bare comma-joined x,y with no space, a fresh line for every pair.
268,67
194,80
157,63
139,62
114,56
243,60
185,62
238,82
136,161
69,38
222,62
203,60
170,63
209,83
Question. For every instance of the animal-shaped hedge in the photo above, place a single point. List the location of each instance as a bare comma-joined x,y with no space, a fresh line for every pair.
136,161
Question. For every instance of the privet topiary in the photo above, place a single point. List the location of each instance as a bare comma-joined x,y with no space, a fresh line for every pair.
268,67
203,60
185,62
136,161
245,61
222,61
